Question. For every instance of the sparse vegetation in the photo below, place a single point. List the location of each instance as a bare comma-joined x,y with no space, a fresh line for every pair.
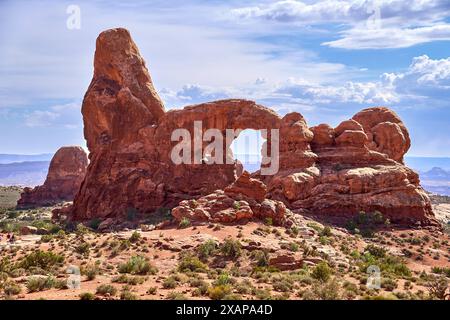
137,265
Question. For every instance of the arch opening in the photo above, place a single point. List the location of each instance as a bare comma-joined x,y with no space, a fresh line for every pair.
247,148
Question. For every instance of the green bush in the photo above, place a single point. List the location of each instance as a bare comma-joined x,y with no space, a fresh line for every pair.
206,249
191,263
41,259
376,251
106,289
83,248
223,279
135,237
87,296
261,257
231,248
90,271
137,265
176,296
11,288
326,232
184,223
170,282
219,292
366,223
128,295
322,272
131,280
35,284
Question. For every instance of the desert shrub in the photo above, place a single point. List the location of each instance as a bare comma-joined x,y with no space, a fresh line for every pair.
244,287
223,279
219,292
191,263
176,296
376,251
231,248
206,249
293,247
90,271
366,223
170,282
200,285
437,288
137,265
152,290
83,248
322,272
438,270
128,295
81,229
41,259
5,265
261,257
184,223
47,225
388,264
11,288
106,289
35,284
388,284
327,291
282,284
87,296
326,232
135,237
131,280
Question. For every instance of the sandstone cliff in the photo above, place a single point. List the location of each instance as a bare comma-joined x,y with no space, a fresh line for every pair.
65,175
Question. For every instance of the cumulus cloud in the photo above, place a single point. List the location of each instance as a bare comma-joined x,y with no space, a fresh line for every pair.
65,115
345,11
381,38
425,78
373,24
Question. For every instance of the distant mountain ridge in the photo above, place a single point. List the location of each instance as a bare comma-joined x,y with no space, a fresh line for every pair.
12,158
423,164
436,180
28,173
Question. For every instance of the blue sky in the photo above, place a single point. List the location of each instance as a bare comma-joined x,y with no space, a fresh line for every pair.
325,59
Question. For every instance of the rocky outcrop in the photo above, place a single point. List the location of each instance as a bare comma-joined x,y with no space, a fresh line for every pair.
357,166
65,175
242,201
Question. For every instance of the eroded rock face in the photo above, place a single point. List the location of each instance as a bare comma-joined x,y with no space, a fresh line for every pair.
65,175
357,166
243,200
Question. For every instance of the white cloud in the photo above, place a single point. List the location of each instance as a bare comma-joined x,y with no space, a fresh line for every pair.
425,80
345,11
67,116
382,38
368,24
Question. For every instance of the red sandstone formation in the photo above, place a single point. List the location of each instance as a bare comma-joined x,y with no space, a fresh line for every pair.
241,201
357,166
65,175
